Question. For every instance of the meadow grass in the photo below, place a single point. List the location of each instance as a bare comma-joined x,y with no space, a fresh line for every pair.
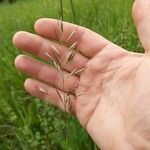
26,122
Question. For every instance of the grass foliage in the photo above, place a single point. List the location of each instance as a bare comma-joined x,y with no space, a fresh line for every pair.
26,122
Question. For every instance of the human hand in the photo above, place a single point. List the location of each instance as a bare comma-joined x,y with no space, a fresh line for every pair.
108,86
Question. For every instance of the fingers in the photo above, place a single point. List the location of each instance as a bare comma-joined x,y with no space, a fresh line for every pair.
51,95
46,73
141,16
46,49
89,43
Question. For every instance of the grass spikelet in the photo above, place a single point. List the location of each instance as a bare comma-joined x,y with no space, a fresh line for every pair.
74,72
42,90
49,56
55,49
73,45
79,71
59,95
80,94
71,56
55,61
70,36
71,73
71,52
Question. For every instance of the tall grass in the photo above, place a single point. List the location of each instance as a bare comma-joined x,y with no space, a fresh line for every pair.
26,122
73,11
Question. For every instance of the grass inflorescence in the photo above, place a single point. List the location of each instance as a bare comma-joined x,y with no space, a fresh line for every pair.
69,56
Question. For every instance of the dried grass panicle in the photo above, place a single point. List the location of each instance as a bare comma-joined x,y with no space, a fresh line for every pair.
57,60
66,98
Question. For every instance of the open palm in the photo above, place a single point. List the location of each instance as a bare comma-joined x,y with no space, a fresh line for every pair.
110,85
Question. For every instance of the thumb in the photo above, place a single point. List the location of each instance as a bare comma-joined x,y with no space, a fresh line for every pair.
141,17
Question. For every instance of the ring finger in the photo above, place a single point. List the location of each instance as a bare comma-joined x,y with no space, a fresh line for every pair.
62,80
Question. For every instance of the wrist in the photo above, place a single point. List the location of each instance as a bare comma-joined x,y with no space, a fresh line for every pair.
139,142
132,142
123,143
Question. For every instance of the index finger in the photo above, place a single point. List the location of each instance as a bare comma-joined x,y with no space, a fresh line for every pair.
88,42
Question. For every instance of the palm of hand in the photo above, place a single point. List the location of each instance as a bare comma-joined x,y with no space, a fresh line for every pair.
115,83
115,97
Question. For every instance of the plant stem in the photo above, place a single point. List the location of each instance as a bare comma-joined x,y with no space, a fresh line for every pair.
61,14
73,11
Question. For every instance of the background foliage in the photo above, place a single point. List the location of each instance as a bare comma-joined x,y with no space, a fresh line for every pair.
26,122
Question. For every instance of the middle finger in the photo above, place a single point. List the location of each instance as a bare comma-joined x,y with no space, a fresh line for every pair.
45,49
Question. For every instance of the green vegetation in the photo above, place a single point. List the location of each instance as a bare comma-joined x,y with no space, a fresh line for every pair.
26,122
7,1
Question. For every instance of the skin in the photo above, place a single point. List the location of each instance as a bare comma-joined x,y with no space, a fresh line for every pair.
115,104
